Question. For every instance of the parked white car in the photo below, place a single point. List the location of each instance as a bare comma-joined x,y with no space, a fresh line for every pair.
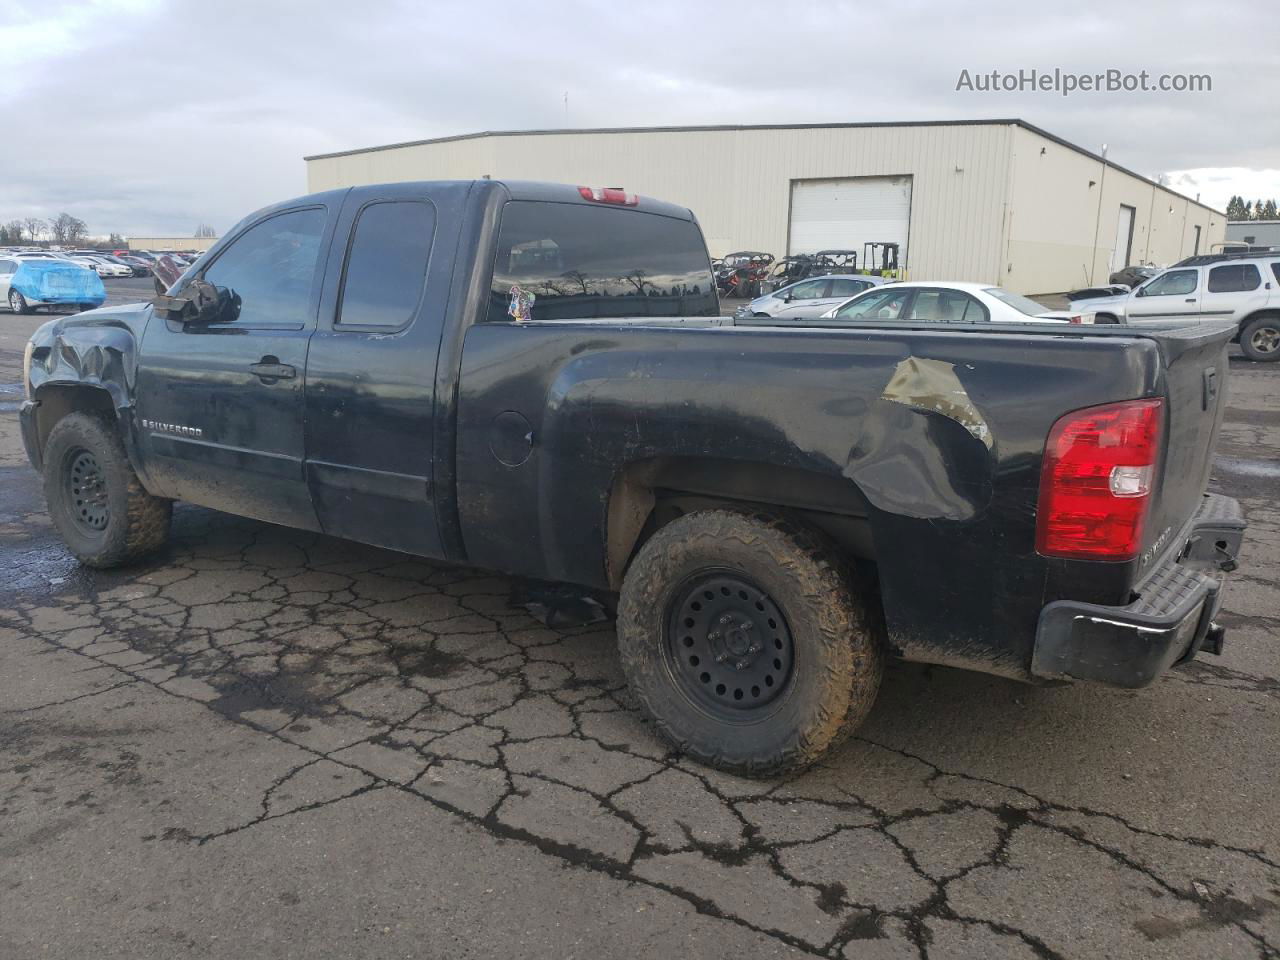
103,268
1244,287
947,302
811,297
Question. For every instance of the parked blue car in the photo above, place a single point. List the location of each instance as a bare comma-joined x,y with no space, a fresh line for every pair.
27,284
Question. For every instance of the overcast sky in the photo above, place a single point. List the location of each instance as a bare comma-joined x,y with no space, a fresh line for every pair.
149,117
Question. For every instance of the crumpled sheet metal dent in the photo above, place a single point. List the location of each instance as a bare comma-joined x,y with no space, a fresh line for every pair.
902,469
933,385
95,356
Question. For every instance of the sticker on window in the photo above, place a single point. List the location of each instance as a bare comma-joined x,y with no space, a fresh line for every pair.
521,305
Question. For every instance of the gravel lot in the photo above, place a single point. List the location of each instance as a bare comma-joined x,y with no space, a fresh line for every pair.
267,743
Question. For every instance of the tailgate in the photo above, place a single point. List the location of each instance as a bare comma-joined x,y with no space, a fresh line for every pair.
1195,388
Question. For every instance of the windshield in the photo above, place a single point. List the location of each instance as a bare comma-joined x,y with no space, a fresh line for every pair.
1017,301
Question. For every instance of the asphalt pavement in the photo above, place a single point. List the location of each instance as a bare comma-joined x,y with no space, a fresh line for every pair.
265,743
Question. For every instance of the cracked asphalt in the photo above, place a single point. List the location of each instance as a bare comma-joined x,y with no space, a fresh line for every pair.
266,743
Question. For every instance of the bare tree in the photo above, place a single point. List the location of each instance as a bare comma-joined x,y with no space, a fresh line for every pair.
35,227
204,230
68,229
11,232
638,280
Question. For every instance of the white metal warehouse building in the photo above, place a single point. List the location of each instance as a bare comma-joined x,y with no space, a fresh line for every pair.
992,201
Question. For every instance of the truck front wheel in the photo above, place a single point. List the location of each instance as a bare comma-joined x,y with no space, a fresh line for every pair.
744,641
95,499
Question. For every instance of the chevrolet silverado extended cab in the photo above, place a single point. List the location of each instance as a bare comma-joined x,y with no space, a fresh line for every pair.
533,378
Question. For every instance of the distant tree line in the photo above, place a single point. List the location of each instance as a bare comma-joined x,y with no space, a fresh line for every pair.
1239,209
65,231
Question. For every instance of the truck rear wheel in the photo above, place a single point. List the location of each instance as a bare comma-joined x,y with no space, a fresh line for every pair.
95,499
745,643
1260,339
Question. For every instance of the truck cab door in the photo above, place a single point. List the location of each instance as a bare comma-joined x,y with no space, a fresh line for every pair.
371,372
1173,295
220,402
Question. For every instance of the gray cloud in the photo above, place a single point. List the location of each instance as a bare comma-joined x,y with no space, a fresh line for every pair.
146,117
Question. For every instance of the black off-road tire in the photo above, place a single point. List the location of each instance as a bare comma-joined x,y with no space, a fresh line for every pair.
1260,339
837,651
126,522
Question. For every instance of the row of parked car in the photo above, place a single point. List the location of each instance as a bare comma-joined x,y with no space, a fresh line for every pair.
864,297
106,264
31,278
1242,287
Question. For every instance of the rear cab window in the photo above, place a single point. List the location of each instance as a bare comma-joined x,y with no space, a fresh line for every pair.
567,261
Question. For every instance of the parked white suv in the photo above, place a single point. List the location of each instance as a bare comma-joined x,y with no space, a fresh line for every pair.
1244,287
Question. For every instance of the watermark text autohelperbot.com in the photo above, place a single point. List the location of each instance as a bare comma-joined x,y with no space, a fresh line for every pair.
1066,83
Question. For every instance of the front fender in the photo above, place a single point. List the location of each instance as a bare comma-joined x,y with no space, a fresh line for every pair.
98,348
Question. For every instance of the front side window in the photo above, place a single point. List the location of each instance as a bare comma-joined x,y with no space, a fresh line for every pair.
1175,283
1234,278
876,305
807,290
569,261
270,269
387,264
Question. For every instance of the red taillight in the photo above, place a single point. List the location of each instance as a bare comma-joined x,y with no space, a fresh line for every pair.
609,195
1095,484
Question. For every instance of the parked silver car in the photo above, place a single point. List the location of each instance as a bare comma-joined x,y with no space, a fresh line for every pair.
1241,287
811,297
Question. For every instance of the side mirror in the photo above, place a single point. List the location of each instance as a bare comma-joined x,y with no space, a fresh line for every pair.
201,302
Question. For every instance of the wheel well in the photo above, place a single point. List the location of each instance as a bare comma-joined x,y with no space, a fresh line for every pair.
647,495
1106,318
59,400
1258,315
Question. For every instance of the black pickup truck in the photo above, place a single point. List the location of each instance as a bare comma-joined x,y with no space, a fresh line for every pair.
534,378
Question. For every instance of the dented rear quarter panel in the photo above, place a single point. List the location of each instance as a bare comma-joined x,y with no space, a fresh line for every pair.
935,436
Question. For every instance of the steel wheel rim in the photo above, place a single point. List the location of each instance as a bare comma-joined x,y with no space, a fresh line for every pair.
728,646
1265,339
87,489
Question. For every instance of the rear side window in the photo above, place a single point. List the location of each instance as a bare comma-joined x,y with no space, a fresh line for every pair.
1234,277
387,264
808,290
947,306
583,262
847,288
7,267
1275,269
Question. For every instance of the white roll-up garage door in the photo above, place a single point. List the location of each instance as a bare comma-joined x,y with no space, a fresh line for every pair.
846,213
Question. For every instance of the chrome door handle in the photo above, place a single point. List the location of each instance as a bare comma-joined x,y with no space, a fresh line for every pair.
270,368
